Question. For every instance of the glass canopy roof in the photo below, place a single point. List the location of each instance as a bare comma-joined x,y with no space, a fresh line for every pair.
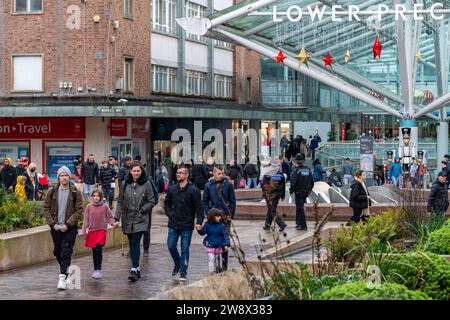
357,37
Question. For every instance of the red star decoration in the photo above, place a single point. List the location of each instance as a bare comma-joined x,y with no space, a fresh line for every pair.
377,48
328,60
280,57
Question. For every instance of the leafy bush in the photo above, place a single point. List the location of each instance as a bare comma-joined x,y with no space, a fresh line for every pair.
351,244
439,241
17,216
422,271
296,283
360,291
6,196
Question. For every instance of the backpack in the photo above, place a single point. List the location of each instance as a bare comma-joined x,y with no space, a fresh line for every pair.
43,180
155,191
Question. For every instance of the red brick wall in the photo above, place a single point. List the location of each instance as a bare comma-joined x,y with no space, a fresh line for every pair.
246,65
65,55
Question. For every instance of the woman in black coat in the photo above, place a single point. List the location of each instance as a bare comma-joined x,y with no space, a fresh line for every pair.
359,197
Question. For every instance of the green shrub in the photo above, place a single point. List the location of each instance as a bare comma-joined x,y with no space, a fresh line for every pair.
439,241
352,243
296,283
424,271
6,196
360,291
17,216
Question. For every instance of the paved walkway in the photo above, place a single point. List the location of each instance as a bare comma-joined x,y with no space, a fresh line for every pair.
39,281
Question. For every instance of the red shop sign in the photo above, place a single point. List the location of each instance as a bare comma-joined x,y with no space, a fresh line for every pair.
140,127
42,128
118,128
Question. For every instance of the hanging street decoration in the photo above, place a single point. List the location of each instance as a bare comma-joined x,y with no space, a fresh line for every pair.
280,57
376,95
303,57
428,95
419,56
328,60
347,56
377,48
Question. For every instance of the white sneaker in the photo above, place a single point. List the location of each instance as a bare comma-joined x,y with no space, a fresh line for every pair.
62,284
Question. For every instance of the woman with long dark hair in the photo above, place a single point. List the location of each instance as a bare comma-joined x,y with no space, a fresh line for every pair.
359,197
136,200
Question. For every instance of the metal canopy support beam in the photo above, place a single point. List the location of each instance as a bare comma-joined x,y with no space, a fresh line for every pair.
325,78
433,106
345,72
310,28
240,12
441,59
347,42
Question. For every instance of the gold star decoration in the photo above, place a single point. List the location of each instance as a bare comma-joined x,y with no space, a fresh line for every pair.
419,56
303,57
347,56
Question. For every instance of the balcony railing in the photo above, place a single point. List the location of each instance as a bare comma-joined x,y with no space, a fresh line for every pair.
282,93
333,154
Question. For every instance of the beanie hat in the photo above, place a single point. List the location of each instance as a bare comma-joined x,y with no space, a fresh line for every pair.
127,158
442,174
61,170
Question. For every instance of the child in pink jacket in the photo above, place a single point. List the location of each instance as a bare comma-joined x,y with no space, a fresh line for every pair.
97,216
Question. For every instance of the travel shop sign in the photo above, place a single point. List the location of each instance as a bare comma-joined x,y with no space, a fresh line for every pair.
42,128
295,13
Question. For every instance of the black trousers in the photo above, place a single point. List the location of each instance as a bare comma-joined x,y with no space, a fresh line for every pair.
63,243
272,213
134,239
300,218
225,254
108,193
146,241
358,215
97,255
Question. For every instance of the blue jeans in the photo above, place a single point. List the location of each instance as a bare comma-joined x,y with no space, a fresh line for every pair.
87,191
181,262
252,183
395,180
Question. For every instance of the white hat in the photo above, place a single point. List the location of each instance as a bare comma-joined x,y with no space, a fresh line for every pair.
61,170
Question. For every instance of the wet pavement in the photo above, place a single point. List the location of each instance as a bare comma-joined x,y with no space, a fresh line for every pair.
39,281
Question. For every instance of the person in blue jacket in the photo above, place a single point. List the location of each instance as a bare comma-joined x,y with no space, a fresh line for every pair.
318,171
219,193
395,171
217,240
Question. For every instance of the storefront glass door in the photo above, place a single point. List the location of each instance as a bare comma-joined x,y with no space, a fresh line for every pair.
125,149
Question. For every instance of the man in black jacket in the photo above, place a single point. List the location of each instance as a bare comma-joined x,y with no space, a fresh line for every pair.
8,176
200,174
89,174
302,183
182,205
123,171
438,198
107,178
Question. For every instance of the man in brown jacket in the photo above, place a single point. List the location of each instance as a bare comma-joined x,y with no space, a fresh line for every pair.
63,208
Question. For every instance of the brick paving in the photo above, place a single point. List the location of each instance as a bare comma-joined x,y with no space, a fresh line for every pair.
39,281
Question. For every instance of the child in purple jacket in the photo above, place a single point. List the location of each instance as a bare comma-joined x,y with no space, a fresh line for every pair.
217,239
